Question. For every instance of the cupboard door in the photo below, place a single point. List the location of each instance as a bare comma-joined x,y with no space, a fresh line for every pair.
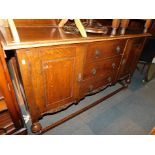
49,78
58,76
131,56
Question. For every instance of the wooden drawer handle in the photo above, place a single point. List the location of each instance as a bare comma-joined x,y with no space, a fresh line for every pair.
113,65
97,52
79,79
91,88
123,61
118,49
94,71
109,79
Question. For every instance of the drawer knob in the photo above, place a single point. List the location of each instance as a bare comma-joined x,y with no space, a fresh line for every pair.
113,65
124,61
79,77
97,52
90,88
94,71
109,79
118,49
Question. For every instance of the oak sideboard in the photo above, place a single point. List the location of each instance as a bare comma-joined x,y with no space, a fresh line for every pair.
57,69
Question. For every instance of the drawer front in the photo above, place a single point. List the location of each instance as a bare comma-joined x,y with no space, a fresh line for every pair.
52,53
95,84
105,49
101,68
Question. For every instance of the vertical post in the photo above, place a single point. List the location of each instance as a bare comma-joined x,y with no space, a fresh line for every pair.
78,24
115,25
4,22
147,25
13,30
90,22
80,27
124,25
63,22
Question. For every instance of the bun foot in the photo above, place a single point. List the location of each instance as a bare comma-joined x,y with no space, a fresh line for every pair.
128,80
36,127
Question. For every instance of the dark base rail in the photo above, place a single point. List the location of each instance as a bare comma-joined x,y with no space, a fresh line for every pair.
43,130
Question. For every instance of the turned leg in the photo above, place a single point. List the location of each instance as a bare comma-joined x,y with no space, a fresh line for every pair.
124,25
128,80
147,25
36,127
115,25
76,103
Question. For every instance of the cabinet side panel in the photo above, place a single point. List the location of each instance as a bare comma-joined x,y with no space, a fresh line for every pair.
25,65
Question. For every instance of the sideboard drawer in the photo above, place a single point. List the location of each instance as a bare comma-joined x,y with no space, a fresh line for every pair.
101,68
95,84
104,49
57,52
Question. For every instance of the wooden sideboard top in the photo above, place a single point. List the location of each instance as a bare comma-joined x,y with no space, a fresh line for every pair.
36,36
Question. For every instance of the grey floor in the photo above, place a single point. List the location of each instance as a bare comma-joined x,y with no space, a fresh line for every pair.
130,112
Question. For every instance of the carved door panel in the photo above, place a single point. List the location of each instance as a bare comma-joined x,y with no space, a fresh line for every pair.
58,76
